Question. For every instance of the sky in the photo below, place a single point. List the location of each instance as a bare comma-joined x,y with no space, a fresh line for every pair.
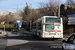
11,5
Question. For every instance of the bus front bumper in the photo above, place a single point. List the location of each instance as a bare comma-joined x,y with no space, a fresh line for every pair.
52,37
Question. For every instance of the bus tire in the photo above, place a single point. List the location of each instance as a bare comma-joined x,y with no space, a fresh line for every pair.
59,39
40,38
33,34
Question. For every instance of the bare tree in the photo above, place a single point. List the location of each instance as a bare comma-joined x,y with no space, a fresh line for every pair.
9,18
22,14
70,2
2,18
25,16
34,14
49,8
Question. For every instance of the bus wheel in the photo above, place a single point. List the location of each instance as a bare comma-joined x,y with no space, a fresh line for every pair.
56,38
59,39
33,34
40,38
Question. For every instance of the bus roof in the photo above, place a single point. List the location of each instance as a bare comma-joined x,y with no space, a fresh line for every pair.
38,20
50,16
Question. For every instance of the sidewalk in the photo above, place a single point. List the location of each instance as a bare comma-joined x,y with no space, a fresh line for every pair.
3,43
24,31
11,34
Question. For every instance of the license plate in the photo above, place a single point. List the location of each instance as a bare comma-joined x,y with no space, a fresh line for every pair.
52,34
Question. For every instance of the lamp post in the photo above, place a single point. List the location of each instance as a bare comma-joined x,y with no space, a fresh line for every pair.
17,14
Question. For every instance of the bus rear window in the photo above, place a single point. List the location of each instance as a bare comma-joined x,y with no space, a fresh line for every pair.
49,27
52,19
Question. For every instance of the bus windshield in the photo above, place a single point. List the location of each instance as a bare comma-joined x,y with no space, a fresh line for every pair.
53,20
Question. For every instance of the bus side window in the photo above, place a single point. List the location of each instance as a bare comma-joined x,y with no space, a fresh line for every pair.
40,25
34,25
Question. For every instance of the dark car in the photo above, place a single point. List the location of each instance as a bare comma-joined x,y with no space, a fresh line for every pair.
15,30
69,44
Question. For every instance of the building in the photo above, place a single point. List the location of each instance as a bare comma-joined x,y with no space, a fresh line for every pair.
3,13
70,6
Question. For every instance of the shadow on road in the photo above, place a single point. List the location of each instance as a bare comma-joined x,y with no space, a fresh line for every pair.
33,46
30,38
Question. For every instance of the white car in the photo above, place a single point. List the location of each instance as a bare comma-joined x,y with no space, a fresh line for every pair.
69,44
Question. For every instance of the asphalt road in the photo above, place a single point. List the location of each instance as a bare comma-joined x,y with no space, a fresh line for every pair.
34,43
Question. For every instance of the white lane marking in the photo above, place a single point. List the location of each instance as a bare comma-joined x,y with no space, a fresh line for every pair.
12,42
25,49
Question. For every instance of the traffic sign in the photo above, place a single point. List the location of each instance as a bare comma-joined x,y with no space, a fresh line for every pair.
19,28
71,19
71,15
19,23
71,23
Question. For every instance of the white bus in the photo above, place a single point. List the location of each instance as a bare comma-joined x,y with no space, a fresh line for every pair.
48,27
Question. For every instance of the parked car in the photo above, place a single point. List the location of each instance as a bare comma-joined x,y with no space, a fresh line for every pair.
69,44
15,30
2,33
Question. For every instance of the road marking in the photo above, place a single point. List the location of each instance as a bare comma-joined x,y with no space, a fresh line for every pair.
25,49
56,46
10,42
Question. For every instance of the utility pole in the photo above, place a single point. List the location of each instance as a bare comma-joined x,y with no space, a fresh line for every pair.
59,9
4,27
17,9
17,15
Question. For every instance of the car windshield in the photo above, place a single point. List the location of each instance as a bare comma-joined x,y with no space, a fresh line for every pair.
33,24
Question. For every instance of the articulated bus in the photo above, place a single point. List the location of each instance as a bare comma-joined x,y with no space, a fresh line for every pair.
48,27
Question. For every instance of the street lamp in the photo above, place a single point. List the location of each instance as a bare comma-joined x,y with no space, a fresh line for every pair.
17,14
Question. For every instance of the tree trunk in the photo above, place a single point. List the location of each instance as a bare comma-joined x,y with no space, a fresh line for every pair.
27,25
